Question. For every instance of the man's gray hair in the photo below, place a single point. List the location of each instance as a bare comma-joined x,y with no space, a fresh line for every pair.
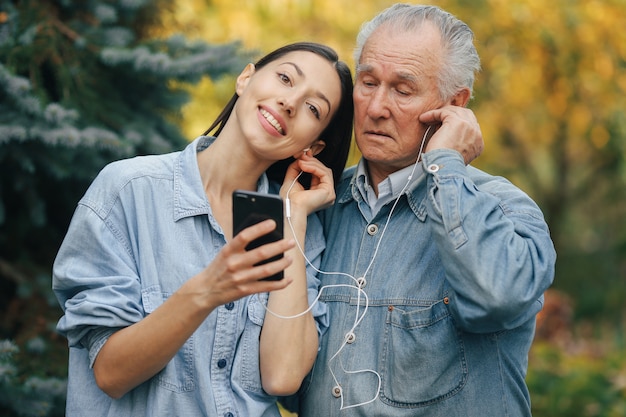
460,58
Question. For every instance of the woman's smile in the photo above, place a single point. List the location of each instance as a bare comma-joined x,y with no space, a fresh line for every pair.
273,121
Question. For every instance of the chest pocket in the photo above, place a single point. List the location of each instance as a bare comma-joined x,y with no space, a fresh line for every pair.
423,361
177,376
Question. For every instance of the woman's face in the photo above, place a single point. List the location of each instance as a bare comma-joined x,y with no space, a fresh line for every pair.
285,105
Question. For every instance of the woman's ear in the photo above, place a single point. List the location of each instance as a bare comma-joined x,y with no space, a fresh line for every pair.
244,78
317,147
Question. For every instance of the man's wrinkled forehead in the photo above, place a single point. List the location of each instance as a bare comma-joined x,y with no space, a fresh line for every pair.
419,43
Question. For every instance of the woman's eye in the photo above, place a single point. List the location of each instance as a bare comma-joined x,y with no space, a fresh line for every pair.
314,110
284,78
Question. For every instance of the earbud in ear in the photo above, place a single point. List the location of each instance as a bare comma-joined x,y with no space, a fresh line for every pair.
306,149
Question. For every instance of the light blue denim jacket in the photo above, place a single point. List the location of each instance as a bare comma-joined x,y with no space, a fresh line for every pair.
451,300
142,229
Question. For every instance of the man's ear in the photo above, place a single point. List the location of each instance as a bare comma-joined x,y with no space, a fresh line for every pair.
244,78
461,98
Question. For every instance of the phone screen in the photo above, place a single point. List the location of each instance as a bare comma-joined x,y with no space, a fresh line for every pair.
250,208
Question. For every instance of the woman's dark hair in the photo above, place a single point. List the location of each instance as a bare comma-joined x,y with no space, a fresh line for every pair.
337,134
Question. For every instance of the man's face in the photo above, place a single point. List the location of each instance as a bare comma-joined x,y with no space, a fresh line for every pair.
396,81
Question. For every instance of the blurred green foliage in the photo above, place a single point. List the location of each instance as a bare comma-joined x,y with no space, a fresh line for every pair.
81,84
579,383
22,391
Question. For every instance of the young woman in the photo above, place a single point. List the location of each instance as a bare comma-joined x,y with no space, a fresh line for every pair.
164,309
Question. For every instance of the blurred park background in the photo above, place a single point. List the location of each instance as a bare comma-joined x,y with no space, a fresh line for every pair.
86,82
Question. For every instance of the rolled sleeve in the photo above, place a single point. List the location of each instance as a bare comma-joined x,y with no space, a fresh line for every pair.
94,279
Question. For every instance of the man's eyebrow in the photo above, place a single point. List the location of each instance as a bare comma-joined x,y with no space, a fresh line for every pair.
405,76
300,73
363,68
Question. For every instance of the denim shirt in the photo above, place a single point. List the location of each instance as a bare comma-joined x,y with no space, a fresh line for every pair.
141,230
447,314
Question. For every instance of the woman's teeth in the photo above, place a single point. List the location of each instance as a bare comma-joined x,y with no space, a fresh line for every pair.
272,121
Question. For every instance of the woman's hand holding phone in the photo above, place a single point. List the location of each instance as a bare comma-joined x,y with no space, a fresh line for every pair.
250,208
236,272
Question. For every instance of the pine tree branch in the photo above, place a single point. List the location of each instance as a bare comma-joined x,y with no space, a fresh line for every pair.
70,33
64,29
7,270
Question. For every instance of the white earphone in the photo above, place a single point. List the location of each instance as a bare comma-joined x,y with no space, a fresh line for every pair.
358,284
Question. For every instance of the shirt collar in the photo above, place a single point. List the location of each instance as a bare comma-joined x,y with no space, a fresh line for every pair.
392,185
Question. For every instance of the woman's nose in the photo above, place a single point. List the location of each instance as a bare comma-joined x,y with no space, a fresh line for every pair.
287,103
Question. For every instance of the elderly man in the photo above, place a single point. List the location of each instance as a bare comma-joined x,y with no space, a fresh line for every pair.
434,270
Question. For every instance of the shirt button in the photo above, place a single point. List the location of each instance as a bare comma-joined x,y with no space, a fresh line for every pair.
221,363
432,168
372,229
361,282
230,306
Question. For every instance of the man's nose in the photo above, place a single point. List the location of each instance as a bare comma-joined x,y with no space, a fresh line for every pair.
378,105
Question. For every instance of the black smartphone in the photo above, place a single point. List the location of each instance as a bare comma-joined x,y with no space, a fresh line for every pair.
250,208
